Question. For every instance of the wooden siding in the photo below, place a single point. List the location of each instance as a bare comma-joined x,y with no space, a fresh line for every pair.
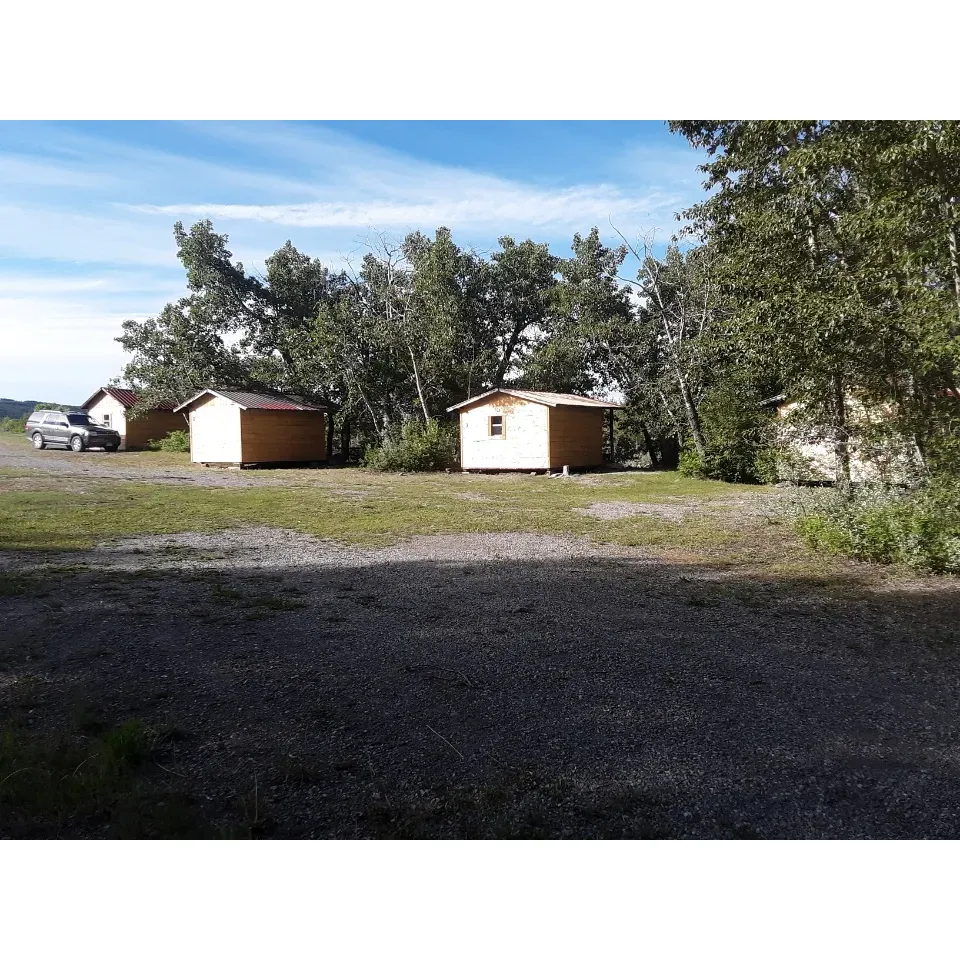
809,454
215,432
576,437
272,436
524,444
154,425
118,415
135,433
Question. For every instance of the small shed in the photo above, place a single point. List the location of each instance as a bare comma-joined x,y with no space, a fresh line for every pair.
807,449
508,429
238,427
110,406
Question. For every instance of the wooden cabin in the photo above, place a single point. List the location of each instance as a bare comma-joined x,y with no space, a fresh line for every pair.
110,406
510,429
807,449
239,428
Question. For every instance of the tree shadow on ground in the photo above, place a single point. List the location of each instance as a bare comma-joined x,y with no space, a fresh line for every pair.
584,697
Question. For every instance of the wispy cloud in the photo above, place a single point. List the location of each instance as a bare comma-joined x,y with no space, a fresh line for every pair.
86,216
507,205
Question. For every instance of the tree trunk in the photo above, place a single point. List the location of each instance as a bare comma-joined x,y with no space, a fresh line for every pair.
329,435
693,418
504,364
669,453
954,265
345,439
416,379
841,447
648,443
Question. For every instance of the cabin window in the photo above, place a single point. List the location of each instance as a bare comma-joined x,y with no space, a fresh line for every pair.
496,426
106,420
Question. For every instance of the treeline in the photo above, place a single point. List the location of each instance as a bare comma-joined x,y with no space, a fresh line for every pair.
14,413
822,263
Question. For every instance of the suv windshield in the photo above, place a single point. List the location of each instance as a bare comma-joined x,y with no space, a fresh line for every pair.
81,420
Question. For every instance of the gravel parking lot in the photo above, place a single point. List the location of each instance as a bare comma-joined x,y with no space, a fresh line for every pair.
499,685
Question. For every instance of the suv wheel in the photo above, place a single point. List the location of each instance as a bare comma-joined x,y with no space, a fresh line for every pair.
38,440
76,444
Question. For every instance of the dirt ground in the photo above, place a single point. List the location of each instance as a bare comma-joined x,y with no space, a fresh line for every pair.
495,685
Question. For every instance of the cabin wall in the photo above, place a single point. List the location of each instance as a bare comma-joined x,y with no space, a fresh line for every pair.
576,436
807,452
270,436
525,441
107,409
215,431
154,425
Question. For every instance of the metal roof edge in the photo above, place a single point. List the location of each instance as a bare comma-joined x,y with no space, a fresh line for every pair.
197,396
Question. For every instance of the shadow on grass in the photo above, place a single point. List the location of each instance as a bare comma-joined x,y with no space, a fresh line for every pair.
483,696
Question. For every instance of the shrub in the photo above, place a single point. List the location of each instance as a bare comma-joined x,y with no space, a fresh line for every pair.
757,464
176,441
13,424
920,528
692,464
418,447
738,437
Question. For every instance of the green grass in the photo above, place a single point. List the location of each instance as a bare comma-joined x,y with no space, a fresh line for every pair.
18,445
256,604
72,784
350,505
15,584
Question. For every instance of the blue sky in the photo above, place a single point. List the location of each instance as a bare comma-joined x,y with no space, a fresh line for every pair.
87,210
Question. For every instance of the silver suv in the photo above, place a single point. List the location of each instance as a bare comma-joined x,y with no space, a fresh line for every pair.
74,430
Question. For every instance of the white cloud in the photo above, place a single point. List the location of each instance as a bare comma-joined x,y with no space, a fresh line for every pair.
505,205
55,234
359,185
86,221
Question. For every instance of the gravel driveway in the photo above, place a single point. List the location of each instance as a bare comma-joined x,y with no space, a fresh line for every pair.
504,685
91,465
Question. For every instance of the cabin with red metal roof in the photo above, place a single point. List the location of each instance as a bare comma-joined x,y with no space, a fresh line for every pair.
241,428
509,429
111,406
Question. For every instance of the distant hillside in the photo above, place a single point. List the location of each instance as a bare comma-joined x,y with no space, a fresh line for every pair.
17,409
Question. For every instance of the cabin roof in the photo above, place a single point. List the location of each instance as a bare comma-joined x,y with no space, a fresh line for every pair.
126,398
541,396
248,400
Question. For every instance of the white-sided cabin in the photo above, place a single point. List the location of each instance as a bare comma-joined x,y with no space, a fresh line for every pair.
510,429
808,450
111,406
238,428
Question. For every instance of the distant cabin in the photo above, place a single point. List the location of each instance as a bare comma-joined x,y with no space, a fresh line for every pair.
109,405
530,430
807,451
238,427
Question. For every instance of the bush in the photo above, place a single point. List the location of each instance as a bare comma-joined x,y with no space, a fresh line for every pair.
418,447
692,464
758,464
738,437
176,441
13,424
920,529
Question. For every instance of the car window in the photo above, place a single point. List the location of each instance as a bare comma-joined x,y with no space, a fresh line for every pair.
79,419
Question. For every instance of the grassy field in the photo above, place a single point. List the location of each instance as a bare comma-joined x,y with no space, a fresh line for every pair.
46,511
258,684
